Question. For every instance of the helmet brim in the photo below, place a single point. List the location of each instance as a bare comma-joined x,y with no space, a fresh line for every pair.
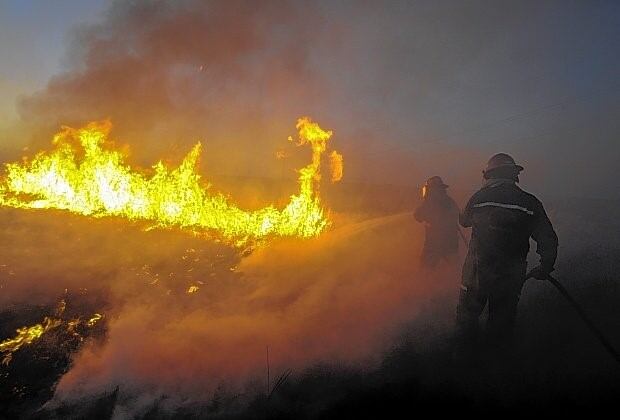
506,165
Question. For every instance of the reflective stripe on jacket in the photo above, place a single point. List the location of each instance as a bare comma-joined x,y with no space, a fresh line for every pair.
503,217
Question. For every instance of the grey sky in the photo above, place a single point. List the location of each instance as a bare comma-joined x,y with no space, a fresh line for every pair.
33,35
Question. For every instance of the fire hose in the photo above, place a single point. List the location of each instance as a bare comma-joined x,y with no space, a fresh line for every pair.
584,317
593,328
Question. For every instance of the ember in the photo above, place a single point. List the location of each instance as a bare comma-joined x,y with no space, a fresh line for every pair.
25,336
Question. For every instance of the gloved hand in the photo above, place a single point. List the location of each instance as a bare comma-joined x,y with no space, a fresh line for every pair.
540,272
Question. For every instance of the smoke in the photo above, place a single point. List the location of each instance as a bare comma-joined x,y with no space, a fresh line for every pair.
410,88
239,74
340,298
235,75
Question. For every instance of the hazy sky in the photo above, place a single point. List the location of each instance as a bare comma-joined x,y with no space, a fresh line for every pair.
413,85
33,36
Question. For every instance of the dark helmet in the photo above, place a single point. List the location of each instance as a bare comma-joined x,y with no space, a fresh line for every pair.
501,160
435,182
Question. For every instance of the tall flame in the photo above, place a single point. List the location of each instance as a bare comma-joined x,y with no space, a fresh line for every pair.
84,176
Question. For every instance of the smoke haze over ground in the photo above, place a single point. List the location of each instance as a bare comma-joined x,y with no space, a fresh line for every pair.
411,89
342,301
341,298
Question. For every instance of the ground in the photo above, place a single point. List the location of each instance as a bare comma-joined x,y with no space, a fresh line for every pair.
556,366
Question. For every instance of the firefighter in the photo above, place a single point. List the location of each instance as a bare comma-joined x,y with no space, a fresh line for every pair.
503,217
440,215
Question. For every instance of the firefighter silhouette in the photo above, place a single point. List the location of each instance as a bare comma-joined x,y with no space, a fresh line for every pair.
439,213
503,218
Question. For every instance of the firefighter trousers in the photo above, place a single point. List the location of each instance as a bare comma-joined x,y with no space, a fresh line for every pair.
499,289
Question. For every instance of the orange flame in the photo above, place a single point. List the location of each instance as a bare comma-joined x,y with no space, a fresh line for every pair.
336,165
83,176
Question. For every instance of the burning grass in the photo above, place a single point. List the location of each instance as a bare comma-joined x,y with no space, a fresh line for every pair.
86,176
40,354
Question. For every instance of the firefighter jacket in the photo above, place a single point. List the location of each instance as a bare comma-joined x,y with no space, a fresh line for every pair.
440,214
503,218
